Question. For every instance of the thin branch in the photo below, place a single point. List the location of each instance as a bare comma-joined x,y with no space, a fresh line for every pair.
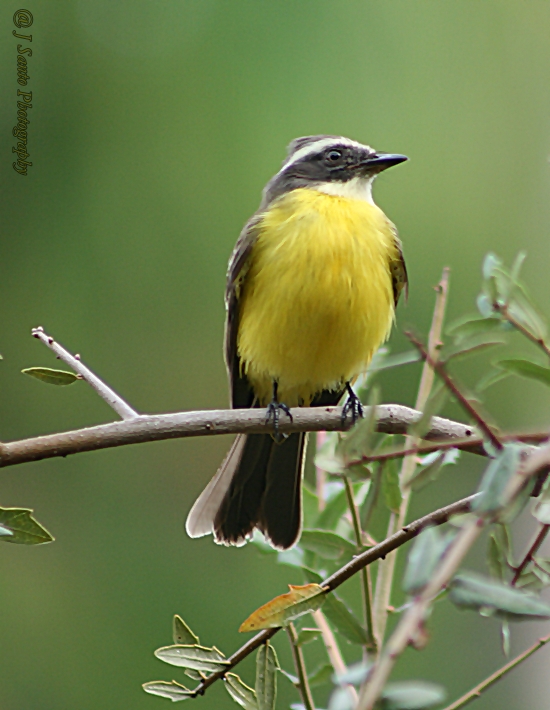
391,419
333,652
451,385
112,398
497,675
414,618
504,311
466,445
303,683
533,548
365,582
387,568
437,517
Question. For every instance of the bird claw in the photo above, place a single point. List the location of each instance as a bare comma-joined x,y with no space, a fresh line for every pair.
273,413
352,407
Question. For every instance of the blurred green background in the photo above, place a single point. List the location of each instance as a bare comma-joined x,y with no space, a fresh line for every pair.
153,129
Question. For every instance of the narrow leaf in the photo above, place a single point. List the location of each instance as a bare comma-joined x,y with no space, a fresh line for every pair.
286,607
199,658
405,358
240,692
354,675
182,634
522,310
321,675
52,377
266,677
477,592
425,554
343,620
306,636
390,486
467,346
327,545
525,368
427,474
173,691
20,527
412,695
464,329
494,482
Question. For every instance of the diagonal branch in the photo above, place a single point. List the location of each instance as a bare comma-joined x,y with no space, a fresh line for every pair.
391,419
437,517
112,398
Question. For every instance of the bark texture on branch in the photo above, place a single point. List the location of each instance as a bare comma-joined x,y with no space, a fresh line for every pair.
391,419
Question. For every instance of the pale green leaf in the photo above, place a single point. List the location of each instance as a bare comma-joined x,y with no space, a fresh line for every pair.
182,634
240,692
412,695
476,592
173,691
495,480
327,545
390,486
199,658
321,675
424,556
266,677
525,368
20,527
52,377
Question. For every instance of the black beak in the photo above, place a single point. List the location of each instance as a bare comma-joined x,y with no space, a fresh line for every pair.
381,161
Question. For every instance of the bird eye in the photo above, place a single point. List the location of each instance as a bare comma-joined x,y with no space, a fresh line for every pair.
334,155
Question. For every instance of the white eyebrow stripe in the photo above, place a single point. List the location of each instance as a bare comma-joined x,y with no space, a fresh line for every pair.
319,145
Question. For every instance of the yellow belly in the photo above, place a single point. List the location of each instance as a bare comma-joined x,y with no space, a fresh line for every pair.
317,299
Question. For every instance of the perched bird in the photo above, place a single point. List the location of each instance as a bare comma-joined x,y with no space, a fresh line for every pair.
312,286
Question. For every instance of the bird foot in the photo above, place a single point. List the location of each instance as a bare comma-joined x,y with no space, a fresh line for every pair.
273,414
352,406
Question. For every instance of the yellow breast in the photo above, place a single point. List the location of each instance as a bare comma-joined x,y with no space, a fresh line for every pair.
317,300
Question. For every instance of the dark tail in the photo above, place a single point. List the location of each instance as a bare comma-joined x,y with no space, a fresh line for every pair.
257,486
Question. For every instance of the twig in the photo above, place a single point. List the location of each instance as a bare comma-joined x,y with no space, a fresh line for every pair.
437,517
503,310
112,398
365,582
466,445
414,617
533,548
335,657
391,419
497,675
303,683
451,385
387,568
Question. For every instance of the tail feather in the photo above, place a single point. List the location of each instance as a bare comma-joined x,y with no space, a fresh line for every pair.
257,485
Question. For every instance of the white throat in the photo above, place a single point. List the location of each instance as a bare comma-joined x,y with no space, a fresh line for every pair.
359,188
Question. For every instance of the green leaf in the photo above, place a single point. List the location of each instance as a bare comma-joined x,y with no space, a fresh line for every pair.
405,358
464,329
173,691
490,263
466,346
52,377
390,486
424,556
306,636
426,474
496,558
340,700
525,368
541,509
354,675
495,480
476,592
20,527
266,677
412,695
516,266
182,634
240,692
491,378
523,310
334,510
327,545
310,505
321,675
343,620
199,658
484,305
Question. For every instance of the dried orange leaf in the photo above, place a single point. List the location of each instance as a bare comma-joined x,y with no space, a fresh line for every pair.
286,607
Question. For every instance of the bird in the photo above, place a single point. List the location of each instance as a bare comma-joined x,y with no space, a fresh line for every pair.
312,287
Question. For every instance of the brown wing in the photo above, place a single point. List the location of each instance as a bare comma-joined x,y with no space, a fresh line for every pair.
398,269
240,392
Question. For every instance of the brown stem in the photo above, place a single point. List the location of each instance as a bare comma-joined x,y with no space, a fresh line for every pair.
303,684
537,542
451,385
503,310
